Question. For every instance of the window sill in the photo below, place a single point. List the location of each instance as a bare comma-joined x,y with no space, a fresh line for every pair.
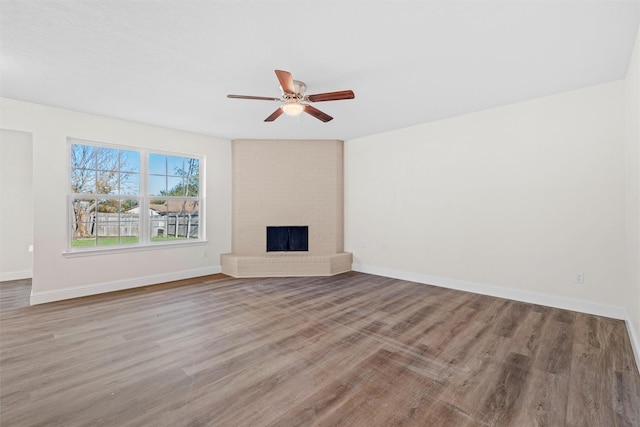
78,253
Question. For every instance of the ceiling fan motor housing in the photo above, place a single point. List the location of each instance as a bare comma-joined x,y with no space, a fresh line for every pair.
300,88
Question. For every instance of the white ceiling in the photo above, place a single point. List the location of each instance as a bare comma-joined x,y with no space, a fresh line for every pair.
172,63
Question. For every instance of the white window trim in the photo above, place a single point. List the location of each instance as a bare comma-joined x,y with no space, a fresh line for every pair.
106,250
144,243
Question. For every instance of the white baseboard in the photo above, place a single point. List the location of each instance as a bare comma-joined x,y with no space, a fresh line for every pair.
499,292
633,337
118,285
15,275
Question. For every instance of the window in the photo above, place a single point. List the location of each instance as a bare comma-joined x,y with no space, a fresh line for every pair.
123,197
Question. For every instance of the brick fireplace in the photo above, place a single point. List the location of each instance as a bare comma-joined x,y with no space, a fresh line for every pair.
287,184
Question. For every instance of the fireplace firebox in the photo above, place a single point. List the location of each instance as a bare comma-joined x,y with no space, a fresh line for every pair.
293,238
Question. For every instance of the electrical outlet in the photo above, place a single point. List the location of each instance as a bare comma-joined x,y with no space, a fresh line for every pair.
204,254
579,278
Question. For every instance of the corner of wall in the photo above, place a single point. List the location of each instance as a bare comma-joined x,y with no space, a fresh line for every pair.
632,156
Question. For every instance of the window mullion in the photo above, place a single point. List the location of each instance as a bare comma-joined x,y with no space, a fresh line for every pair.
144,199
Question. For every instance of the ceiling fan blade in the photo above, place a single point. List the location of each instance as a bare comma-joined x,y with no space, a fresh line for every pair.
286,81
274,115
331,96
261,98
317,113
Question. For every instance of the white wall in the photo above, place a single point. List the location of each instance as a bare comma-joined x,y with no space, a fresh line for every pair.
512,201
632,98
16,200
56,276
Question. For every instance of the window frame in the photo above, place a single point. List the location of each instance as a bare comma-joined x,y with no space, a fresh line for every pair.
143,198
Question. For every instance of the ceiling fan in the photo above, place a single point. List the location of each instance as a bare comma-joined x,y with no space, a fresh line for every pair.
294,101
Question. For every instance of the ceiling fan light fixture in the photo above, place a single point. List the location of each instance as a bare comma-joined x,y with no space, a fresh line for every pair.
292,108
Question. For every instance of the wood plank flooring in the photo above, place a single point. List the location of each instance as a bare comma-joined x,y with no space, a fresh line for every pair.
348,350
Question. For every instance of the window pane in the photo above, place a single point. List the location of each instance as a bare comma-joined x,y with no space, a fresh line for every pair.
157,207
116,222
130,184
184,219
175,186
193,187
80,240
175,226
107,182
191,206
108,205
157,228
181,176
130,207
83,157
157,185
82,225
129,161
157,164
192,166
83,181
180,221
105,231
107,240
107,159
129,221
192,176
174,165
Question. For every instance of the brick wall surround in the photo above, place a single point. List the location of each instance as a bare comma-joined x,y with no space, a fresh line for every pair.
287,182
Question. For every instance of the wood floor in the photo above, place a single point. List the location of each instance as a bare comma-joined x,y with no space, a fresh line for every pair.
349,350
